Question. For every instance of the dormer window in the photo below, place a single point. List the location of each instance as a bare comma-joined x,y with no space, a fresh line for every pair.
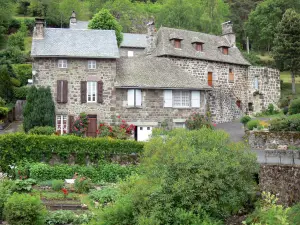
177,43
199,47
225,50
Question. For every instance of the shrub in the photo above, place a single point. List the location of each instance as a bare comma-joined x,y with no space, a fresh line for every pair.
37,148
23,185
3,112
61,217
57,185
20,93
285,110
289,123
174,169
6,91
270,109
2,102
104,196
23,209
16,40
15,82
294,107
5,193
47,130
284,102
82,184
23,72
245,119
294,214
252,124
197,121
80,125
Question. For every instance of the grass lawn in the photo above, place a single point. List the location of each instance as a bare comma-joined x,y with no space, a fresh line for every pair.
287,85
28,42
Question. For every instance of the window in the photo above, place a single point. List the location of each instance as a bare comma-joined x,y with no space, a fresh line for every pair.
92,64
62,63
199,47
91,91
134,98
255,84
177,43
179,125
225,50
130,53
181,99
231,76
61,123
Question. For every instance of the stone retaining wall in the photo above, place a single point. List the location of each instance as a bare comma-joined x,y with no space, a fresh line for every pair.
282,180
271,140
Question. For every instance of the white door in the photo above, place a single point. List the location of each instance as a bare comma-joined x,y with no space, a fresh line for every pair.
144,133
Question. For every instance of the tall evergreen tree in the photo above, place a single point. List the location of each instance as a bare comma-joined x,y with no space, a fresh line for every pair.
287,44
6,91
39,109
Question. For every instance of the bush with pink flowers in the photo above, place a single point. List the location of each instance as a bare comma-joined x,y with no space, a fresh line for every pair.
80,125
198,121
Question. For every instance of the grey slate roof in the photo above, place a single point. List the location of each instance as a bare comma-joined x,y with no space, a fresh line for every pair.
60,42
134,40
79,25
154,72
210,52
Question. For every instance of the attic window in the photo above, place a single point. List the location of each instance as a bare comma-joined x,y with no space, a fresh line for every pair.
199,46
177,43
225,50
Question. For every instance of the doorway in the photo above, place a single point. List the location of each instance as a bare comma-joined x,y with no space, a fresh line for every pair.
92,127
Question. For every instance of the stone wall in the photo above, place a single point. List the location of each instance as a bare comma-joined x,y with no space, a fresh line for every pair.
48,73
271,140
282,180
136,51
152,111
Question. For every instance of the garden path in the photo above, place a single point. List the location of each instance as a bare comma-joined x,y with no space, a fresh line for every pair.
12,128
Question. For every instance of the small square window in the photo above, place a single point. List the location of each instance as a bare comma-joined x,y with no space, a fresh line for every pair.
141,128
177,43
130,53
62,63
225,50
199,47
148,128
92,64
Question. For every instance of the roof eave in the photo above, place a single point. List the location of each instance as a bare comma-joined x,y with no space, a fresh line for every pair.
70,56
162,88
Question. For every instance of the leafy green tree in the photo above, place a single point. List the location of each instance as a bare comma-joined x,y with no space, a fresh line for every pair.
287,44
6,91
6,12
187,177
39,109
105,20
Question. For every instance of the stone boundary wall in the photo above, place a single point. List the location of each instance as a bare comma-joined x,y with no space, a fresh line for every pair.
271,140
283,157
282,180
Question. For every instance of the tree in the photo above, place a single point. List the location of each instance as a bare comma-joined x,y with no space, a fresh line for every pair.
39,109
6,91
5,16
287,44
105,20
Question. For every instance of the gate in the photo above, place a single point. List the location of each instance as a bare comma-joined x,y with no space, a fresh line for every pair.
92,127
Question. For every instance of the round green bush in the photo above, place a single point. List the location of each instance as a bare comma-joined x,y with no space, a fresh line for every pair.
47,130
82,185
5,192
57,185
24,209
245,119
294,107
252,124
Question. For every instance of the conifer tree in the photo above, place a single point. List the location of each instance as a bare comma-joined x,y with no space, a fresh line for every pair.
287,44
39,109
6,91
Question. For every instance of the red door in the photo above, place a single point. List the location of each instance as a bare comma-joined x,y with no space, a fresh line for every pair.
92,127
210,79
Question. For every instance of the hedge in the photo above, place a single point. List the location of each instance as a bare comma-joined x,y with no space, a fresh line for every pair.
17,146
289,123
20,92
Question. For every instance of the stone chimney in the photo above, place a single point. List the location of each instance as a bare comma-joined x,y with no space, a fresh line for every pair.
73,19
38,32
150,37
227,32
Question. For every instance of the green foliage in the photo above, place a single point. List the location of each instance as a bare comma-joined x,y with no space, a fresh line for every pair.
294,107
23,185
105,20
39,109
3,112
24,209
16,40
197,121
23,72
57,185
252,58
5,15
20,93
62,217
15,82
47,130
6,91
104,196
294,214
14,55
289,123
174,169
5,193
80,125
252,124
82,184
14,147
245,119
2,102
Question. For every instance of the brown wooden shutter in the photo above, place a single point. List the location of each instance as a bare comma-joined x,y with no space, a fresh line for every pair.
83,92
210,79
65,91
100,92
71,122
59,91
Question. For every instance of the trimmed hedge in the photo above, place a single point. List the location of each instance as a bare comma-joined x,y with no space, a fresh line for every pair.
289,123
294,107
17,146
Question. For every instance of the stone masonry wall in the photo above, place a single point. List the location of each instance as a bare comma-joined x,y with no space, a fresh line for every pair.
282,180
152,110
136,51
223,97
48,73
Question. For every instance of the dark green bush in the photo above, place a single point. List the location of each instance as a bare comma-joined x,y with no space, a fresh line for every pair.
47,130
3,112
23,72
294,107
245,119
17,146
20,93
15,82
5,192
57,185
16,40
284,102
289,123
24,209
252,124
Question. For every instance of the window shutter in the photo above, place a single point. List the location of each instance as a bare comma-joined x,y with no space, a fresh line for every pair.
138,98
83,92
130,97
65,91
168,100
71,121
59,92
196,99
100,92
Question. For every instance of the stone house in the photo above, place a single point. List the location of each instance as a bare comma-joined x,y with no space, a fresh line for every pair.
158,78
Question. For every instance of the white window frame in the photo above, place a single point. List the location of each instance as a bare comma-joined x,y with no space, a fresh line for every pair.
194,99
137,99
130,53
91,90
256,83
62,63
60,125
181,94
179,125
92,64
